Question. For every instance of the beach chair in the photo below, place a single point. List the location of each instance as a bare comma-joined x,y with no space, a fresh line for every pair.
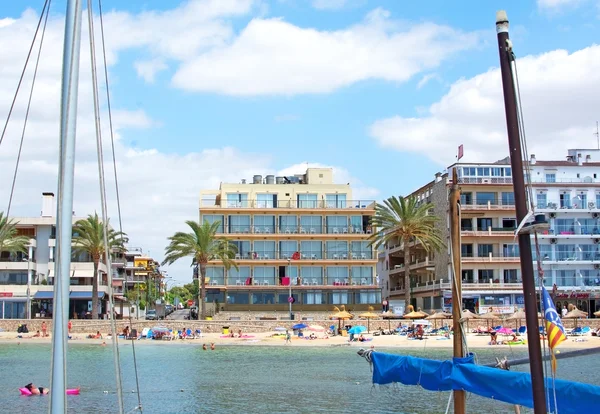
133,334
522,330
145,333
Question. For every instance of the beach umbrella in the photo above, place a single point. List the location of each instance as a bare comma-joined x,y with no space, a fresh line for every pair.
390,315
299,326
280,329
368,316
517,316
415,315
466,315
340,315
505,331
575,314
490,316
315,328
358,329
438,316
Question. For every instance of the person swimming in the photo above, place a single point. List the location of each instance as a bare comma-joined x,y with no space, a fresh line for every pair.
37,390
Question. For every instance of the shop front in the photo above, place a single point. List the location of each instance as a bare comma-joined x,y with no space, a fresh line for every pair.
12,307
588,302
482,302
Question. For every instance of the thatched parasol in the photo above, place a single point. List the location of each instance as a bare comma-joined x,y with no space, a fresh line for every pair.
415,315
340,315
466,316
390,315
437,316
518,316
368,316
597,313
575,314
490,316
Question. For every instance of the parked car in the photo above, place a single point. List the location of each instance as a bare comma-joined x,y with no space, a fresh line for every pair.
151,315
180,305
168,309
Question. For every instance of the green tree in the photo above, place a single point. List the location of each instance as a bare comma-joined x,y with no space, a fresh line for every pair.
181,292
9,241
202,244
407,220
88,237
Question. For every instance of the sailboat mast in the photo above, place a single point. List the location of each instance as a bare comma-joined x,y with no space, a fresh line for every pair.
64,221
516,160
459,396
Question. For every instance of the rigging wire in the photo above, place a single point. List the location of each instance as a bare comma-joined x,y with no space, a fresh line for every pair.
105,224
37,63
12,105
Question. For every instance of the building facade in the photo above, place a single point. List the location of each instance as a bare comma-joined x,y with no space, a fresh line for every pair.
567,191
301,232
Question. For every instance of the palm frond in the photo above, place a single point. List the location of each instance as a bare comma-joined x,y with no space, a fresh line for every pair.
9,240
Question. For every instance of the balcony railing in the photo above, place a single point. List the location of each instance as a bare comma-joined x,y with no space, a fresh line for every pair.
485,180
571,205
487,205
491,257
295,281
305,255
302,204
490,231
567,230
292,229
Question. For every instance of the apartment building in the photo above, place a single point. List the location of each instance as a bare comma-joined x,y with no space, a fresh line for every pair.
567,191
301,232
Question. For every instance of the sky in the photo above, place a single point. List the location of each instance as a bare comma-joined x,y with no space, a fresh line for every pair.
210,91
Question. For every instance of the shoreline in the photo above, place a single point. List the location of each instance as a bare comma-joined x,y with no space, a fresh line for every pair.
266,339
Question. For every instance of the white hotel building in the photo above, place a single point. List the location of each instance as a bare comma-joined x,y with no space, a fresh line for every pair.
567,191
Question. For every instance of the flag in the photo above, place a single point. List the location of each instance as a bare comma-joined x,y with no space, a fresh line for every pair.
554,327
460,151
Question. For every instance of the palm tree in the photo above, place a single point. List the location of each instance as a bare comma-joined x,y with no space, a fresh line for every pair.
88,237
202,244
9,241
405,219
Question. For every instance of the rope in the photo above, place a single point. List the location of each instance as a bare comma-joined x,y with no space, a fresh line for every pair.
12,105
37,62
135,369
105,225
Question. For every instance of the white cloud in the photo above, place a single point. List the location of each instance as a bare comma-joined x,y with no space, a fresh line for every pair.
427,78
560,102
158,190
557,4
147,69
329,4
274,57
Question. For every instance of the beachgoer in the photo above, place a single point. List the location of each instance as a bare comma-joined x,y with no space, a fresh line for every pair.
37,334
494,340
126,331
240,333
288,337
44,329
204,347
69,326
212,346
37,390
361,338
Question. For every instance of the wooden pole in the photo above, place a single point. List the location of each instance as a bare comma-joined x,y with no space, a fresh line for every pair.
459,396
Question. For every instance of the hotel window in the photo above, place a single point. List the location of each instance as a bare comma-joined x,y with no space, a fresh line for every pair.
565,200
367,297
312,297
311,250
307,200
337,224
361,250
542,200
337,275
239,224
511,250
486,275
237,200
580,200
363,275
484,250
466,250
311,224
238,276
358,224
311,275
264,275
339,297
263,298
238,298
597,200
337,250
264,224
215,275
508,198
13,278
287,248
466,198
335,200
243,248
265,249
483,172
484,198
266,200
213,218
550,177
288,224
512,276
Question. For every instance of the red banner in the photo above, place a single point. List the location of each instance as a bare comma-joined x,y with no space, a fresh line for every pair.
6,294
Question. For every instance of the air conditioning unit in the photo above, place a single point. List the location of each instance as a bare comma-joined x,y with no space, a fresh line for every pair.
597,266
552,215
596,241
552,205
591,205
595,215
553,241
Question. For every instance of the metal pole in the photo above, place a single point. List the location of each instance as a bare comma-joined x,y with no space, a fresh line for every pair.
459,396
29,253
290,285
516,160
64,221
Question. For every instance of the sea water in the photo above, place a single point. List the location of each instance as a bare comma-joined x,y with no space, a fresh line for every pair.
178,378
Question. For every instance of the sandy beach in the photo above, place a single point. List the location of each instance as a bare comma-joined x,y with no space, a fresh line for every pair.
269,339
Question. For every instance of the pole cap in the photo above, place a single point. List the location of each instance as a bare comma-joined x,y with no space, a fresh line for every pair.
501,16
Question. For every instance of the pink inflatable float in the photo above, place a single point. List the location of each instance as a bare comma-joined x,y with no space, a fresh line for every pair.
72,391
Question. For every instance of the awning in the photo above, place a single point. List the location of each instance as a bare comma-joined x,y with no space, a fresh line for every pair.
85,295
43,294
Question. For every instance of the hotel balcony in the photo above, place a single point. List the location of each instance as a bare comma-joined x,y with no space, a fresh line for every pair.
418,265
211,203
301,231
284,282
486,205
496,286
490,232
312,256
485,180
572,231
489,258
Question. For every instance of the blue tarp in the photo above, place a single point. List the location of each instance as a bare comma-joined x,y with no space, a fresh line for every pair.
463,374
85,295
43,294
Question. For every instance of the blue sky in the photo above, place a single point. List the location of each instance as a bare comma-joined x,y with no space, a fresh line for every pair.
383,91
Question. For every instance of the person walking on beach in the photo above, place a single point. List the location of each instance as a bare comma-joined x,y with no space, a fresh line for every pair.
44,330
288,337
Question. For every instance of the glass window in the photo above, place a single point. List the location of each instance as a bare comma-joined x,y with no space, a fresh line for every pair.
565,200
263,298
484,250
483,172
239,224
580,201
337,250
550,177
367,297
512,276
287,248
238,298
212,218
311,224
337,275
565,226
311,249
362,275
356,224
215,275
337,224
264,275
361,250
542,200
237,200
597,200
238,276
265,200
335,200
311,275
264,224
339,297
312,297
13,277
486,275
243,249
12,310
264,249
307,200
288,224
508,198
485,198
511,250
